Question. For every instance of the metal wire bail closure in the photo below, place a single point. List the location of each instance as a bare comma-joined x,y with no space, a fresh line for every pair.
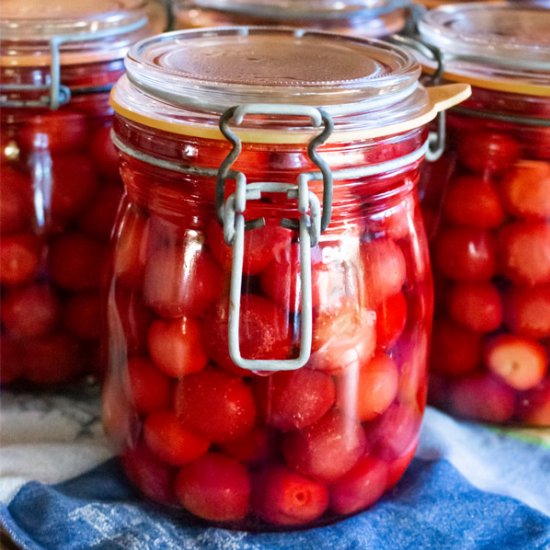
311,223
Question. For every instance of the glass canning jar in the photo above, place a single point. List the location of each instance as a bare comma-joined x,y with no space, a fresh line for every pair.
366,18
269,313
60,184
487,201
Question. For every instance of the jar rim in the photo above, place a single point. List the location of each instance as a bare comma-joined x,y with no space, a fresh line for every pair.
85,31
499,45
288,10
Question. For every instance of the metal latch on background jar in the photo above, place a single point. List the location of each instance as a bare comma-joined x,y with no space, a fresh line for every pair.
311,223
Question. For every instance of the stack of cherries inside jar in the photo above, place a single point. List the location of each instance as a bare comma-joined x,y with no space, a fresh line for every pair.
491,260
289,448
60,193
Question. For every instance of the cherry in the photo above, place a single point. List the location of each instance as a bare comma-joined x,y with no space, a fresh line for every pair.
476,306
228,400
524,250
148,389
455,350
176,347
385,269
283,497
254,448
295,399
482,397
526,189
473,201
527,311
534,404
151,476
16,203
128,321
365,393
83,315
327,449
397,467
19,258
104,153
30,311
214,487
10,361
171,442
359,488
520,362
181,281
98,219
264,332
465,254
343,338
487,152
75,261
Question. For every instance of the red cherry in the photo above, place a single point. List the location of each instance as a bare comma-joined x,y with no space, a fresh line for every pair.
366,393
76,261
534,407
151,476
524,250
395,431
526,189
282,497
359,488
10,361
264,332
74,186
391,318
104,153
397,221
98,219
58,131
16,203
30,311
214,487
455,350
176,347
295,399
473,201
327,449
465,254
486,152
343,338
131,251
476,306
481,397
181,281
148,389
520,362
171,442
228,400
260,246
527,311
52,359
385,269
19,258
83,315
254,448
397,467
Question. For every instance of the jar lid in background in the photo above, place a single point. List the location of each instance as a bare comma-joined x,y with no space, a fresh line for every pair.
503,45
84,31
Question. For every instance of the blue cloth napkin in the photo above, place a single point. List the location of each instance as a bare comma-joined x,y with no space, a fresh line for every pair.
436,505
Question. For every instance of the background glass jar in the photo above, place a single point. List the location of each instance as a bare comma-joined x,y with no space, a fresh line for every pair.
60,184
373,19
486,201
257,443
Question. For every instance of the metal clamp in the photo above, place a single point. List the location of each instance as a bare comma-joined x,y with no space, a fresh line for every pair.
234,228
59,94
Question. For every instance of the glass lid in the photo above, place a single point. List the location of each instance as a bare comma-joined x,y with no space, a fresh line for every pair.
303,9
501,45
85,30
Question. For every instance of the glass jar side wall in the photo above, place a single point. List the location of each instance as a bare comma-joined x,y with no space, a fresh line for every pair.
60,191
486,208
290,449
